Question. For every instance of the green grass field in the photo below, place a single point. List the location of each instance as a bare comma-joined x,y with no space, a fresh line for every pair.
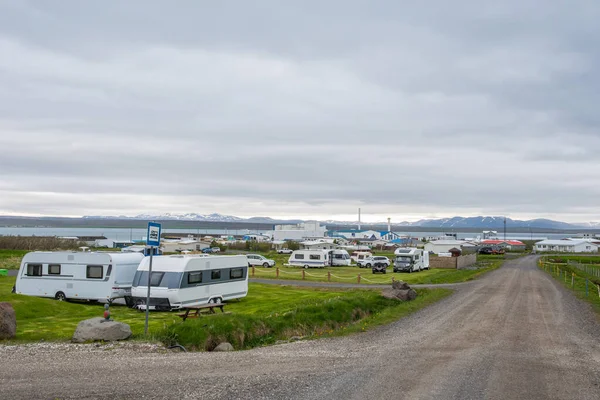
11,259
350,274
269,313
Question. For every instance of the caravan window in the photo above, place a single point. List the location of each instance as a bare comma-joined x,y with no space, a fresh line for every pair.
236,273
94,272
299,256
156,278
195,277
54,269
215,274
315,256
34,269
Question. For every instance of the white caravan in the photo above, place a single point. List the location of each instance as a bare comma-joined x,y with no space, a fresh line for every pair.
339,258
360,255
189,280
309,258
78,276
410,259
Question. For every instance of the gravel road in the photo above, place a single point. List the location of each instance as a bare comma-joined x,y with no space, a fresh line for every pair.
514,334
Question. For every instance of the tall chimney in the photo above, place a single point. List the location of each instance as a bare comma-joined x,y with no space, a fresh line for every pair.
359,219
389,224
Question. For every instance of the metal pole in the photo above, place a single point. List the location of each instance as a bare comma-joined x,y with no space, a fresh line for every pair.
148,293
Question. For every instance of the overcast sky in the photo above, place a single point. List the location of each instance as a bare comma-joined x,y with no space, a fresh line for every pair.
308,110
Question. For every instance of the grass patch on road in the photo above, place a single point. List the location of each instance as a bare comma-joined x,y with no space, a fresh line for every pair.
11,259
269,313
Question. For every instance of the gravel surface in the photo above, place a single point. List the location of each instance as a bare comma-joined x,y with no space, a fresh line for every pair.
514,334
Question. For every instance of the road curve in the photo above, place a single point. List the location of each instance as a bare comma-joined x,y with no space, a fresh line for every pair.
514,334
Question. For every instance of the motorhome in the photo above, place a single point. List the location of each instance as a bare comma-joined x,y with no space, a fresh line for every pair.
68,275
360,255
339,258
410,259
188,280
309,258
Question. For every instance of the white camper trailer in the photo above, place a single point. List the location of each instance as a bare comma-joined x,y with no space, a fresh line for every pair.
360,255
410,259
188,280
78,276
309,258
339,258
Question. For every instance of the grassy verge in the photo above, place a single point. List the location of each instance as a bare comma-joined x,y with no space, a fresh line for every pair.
328,314
584,282
269,313
11,259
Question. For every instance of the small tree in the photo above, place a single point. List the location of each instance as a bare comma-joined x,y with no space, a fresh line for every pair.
290,244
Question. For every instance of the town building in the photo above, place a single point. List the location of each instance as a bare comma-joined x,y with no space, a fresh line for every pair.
566,246
297,232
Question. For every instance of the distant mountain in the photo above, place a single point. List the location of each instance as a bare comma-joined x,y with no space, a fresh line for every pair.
492,223
481,222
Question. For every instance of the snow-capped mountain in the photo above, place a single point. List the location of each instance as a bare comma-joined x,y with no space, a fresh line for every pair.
492,222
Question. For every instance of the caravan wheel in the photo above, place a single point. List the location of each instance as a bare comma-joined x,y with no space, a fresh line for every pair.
60,296
218,300
306,267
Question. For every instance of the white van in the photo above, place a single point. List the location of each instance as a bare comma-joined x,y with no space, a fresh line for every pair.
360,255
339,258
188,280
309,258
410,259
79,276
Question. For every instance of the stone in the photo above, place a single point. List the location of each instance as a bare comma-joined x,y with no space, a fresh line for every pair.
224,347
400,285
8,321
101,329
400,291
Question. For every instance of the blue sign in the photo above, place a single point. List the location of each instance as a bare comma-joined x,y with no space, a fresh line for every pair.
153,238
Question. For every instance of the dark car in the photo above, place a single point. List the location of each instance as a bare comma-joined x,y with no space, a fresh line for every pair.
379,267
486,250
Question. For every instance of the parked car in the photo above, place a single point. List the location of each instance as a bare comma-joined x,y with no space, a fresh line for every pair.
215,249
284,251
380,266
257,259
207,250
370,261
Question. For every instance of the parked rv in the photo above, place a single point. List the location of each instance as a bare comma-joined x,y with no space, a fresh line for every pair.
410,260
68,275
309,258
339,258
360,255
178,281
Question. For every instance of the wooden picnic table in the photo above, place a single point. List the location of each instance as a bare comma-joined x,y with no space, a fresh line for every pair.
210,309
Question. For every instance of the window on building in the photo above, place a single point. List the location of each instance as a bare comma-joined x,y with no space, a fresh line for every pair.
215,274
236,273
54,269
195,277
34,269
94,272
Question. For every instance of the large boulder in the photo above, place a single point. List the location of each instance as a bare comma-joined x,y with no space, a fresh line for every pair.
100,329
400,291
8,321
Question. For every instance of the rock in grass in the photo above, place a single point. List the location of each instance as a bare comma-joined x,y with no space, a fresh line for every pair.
8,321
400,291
100,329
224,347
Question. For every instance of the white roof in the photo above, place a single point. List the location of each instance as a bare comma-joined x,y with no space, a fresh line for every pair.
448,242
180,263
566,242
67,257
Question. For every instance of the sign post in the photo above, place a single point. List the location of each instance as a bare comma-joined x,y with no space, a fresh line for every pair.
152,240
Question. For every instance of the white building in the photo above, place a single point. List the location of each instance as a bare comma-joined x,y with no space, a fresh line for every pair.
297,232
566,246
444,246
319,244
356,234
176,246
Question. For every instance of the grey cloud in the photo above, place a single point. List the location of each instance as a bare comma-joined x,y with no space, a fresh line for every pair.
306,109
